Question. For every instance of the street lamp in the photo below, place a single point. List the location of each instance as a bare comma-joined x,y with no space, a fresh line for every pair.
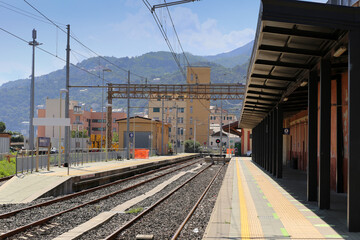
102,104
108,105
61,92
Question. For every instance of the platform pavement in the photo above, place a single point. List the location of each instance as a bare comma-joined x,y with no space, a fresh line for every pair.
29,186
252,205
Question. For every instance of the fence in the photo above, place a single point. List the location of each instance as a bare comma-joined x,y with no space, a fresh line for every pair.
27,163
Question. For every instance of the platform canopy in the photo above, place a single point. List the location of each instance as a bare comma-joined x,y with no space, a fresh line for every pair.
291,39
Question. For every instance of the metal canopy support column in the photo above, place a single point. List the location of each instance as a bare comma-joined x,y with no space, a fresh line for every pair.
339,139
279,142
353,206
312,136
266,143
273,143
325,118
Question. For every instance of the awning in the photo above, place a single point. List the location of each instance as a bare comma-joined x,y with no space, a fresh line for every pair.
292,37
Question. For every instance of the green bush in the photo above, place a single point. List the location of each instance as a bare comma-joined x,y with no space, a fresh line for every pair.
6,168
189,146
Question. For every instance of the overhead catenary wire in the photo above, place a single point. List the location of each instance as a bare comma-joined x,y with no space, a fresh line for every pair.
82,44
52,54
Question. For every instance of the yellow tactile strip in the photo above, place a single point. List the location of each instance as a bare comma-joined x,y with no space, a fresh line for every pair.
295,223
255,230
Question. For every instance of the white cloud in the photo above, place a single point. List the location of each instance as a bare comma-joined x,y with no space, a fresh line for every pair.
197,37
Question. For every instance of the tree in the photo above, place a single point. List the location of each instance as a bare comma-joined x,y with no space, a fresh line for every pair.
115,137
189,146
2,127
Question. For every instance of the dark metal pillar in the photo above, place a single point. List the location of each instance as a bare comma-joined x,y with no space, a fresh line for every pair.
312,136
279,142
271,142
325,120
339,139
275,143
266,143
353,206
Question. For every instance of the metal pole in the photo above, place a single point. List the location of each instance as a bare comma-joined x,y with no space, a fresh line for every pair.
128,119
227,118
102,112
106,137
59,161
208,135
32,43
134,139
67,128
194,134
162,125
221,123
176,130
151,138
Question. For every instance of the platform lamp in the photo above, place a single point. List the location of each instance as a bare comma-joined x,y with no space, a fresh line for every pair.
108,105
61,92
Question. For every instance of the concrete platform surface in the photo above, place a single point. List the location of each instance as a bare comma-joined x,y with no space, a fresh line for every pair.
253,205
30,186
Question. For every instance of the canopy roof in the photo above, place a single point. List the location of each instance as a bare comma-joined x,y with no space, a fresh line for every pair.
292,37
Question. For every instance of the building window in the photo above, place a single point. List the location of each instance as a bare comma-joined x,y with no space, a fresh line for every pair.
77,118
180,120
191,77
180,110
170,109
169,129
98,120
190,120
230,118
214,118
114,120
169,120
114,129
191,100
190,131
98,129
191,109
156,109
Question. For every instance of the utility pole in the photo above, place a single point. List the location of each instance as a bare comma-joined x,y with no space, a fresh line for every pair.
32,43
194,134
67,128
208,135
176,126
128,119
221,123
162,125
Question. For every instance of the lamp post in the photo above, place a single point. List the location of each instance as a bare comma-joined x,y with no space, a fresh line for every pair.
102,105
61,92
34,44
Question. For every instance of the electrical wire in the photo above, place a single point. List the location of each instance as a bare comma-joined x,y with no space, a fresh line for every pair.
82,44
52,54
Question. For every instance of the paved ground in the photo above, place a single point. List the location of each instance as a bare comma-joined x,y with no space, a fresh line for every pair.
251,205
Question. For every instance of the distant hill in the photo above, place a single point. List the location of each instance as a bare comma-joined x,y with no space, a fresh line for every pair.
233,58
158,67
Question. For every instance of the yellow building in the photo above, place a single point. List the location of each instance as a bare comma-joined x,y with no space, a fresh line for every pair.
146,133
184,113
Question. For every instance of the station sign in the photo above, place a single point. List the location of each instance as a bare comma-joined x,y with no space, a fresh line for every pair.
44,142
286,131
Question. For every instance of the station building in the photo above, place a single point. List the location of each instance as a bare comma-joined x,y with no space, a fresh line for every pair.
302,97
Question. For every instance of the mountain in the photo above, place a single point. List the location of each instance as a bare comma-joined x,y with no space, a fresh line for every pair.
158,67
233,58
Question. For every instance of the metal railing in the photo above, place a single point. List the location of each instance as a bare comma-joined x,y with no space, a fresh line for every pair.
27,163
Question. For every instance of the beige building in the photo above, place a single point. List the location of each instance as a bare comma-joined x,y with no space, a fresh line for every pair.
146,132
188,117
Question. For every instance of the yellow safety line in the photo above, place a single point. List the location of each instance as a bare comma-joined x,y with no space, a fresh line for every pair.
245,233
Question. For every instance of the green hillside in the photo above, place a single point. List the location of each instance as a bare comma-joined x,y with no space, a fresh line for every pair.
158,67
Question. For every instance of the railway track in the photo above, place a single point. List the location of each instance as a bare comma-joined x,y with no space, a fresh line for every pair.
165,218
77,202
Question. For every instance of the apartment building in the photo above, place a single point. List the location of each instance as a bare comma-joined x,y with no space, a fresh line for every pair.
215,116
93,122
189,118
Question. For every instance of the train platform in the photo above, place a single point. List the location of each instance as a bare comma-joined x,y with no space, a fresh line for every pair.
253,205
27,187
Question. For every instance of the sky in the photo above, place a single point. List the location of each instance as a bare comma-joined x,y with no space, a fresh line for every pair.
117,28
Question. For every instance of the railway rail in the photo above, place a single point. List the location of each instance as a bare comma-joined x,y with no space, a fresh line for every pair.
72,197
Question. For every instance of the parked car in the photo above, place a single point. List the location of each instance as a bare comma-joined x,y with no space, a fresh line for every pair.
53,150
